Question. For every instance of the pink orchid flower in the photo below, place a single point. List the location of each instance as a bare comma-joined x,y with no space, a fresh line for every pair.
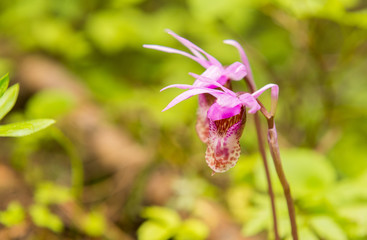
226,117
214,71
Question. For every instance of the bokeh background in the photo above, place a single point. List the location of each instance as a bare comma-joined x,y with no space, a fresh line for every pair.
115,167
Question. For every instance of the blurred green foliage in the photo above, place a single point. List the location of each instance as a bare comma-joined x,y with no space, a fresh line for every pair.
13,215
49,193
94,224
321,199
42,217
164,223
50,103
315,50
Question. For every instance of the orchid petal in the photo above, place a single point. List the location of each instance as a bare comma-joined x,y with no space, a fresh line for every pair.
202,122
243,56
181,86
216,73
249,101
274,91
236,71
189,93
274,95
187,44
202,125
211,74
202,62
202,79
204,82
195,49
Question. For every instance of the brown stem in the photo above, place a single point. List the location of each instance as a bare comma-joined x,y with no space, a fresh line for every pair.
274,150
260,140
263,110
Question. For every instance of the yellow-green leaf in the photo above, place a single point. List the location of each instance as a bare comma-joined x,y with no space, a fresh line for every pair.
7,100
24,128
4,81
13,215
42,217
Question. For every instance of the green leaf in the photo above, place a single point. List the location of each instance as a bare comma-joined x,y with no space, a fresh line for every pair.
348,192
13,215
259,222
327,228
153,231
42,217
192,229
304,233
165,216
94,224
4,81
162,224
49,193
8,100
24,128
357,216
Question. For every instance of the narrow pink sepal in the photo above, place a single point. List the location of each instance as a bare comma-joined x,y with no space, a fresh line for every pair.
194,48
202,62
274,95
186,43
274,91
181,86
243,55
189,93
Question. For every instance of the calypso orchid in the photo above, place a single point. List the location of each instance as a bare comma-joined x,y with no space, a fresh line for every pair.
222,112
214,71
222,115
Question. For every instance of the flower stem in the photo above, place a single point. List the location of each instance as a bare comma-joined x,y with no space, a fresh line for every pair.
274,150
251,85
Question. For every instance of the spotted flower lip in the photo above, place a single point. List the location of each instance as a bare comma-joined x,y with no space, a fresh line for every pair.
223,146
236,71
